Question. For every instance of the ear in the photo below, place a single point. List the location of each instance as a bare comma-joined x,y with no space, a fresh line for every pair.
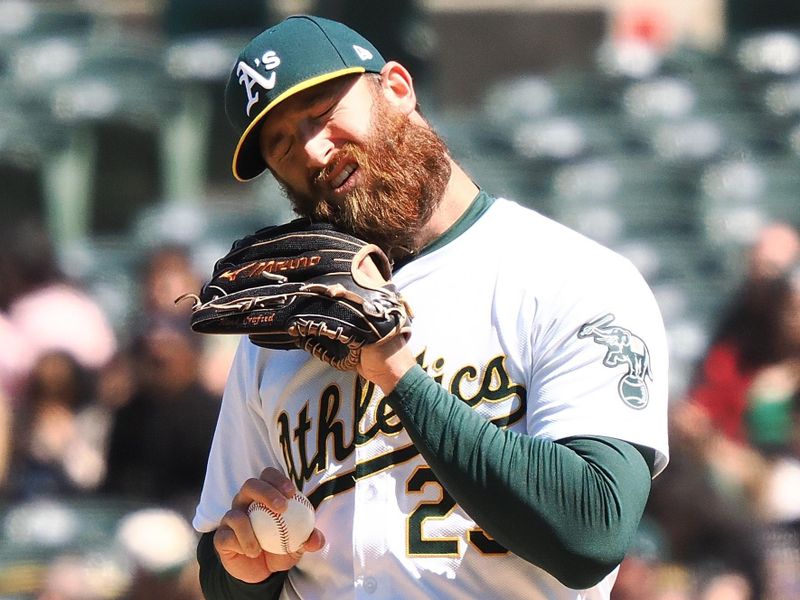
398,88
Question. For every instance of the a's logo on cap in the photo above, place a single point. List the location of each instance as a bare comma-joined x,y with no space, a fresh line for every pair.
363,53
248,76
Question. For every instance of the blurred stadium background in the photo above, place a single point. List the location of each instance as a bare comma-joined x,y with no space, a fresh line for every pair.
669,131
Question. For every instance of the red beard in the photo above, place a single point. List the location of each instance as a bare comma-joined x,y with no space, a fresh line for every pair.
403,170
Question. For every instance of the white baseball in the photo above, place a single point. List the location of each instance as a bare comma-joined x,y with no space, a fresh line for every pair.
283,533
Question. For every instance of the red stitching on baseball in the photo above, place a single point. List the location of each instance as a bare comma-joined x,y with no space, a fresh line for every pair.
303,500
280,523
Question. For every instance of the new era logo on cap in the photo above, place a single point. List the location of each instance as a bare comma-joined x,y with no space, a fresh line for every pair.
363,53
298,53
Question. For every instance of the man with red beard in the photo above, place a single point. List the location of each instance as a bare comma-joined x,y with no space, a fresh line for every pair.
506,449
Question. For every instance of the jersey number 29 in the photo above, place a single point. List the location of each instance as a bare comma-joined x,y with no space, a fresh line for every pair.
420,546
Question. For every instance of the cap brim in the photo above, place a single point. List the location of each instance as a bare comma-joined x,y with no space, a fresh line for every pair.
248,163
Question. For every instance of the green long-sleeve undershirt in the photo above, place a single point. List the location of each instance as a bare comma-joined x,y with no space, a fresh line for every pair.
570,507
217,584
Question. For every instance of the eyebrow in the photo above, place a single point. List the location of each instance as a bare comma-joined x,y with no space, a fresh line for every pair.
318,94
329,90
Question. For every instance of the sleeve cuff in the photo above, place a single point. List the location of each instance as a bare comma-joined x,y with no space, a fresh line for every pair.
256,590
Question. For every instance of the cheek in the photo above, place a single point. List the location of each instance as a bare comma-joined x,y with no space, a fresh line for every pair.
353,124
291,180
360,133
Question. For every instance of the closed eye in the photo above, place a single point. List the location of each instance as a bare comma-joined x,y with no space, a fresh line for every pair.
324,112
283,149
280,148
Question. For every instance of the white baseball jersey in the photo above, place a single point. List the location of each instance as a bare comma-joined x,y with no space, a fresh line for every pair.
533,325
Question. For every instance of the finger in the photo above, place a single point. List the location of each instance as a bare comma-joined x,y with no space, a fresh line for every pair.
258,490
315,542
279,480
235,534
283,562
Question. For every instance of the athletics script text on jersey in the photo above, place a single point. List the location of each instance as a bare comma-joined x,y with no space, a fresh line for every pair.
307,437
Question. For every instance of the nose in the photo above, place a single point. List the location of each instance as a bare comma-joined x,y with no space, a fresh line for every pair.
317,145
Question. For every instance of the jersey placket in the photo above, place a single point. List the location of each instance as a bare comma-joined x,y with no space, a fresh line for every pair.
374,504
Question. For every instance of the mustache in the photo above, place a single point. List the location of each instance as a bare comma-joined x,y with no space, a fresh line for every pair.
349,151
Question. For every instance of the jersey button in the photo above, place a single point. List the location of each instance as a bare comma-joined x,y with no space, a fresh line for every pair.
370,585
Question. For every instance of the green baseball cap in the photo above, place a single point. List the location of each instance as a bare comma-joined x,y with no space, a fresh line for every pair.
298,53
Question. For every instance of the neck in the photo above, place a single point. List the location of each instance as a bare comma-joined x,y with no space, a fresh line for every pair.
458,195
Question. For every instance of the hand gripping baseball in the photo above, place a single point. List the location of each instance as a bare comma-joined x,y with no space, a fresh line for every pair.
304,285
236,541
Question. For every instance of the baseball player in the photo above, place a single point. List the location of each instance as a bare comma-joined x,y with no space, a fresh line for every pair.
505,449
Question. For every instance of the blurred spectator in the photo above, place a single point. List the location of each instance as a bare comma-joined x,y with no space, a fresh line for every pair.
750,335
782,564
61,426
710,533
639,573
773,427
778,508
148,555
113,390
45,427
44,310
725,586
740,475
167,274
794,442
218,351
15,359
160,440
161,544
774,252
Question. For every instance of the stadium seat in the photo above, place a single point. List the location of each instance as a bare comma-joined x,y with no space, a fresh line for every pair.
643,196
197,136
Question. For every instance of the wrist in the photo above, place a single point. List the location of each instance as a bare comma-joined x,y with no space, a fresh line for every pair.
385,364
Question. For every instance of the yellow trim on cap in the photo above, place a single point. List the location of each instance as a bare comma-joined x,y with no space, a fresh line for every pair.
303,85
